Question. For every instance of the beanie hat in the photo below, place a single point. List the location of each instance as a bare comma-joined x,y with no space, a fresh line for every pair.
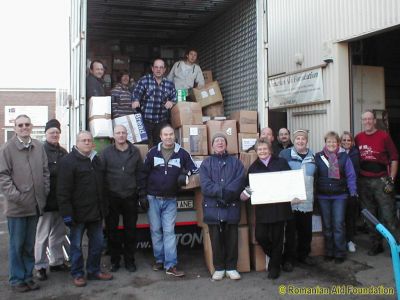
300,132
219,135
53,123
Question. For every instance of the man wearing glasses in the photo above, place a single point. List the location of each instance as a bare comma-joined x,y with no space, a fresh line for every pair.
25,183
154,95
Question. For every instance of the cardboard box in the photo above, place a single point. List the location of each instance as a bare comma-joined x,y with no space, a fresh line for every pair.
247,159
214,110
100,123
246,140
121,62
207,95
257,258
186,113
143,149
193,138
243,264
208,78
135,127
246,120
317,244
228,127
198,205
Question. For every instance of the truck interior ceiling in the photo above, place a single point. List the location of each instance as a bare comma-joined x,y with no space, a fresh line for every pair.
383,50
130,34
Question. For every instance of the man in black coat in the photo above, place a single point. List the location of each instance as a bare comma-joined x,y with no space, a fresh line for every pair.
50,231
124,187
83,207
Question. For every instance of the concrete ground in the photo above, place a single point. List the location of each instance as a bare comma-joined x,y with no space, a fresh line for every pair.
358,271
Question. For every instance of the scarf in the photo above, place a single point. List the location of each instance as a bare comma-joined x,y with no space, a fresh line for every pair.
333,170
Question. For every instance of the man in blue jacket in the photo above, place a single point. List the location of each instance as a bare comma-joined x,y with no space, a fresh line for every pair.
222,179
165,168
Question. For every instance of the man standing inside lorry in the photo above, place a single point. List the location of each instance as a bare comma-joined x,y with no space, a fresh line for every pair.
25,183
154,95
94,81
166,168
186,74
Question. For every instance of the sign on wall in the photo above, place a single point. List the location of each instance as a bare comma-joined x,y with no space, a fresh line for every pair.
38,114
295,89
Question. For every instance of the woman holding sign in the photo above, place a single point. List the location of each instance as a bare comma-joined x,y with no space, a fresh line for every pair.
336,179
270,218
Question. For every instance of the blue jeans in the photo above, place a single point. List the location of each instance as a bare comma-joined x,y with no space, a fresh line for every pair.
333,212
22,231
162,215
95,235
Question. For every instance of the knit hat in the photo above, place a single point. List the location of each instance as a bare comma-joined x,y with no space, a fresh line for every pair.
53,123
219,135
300,132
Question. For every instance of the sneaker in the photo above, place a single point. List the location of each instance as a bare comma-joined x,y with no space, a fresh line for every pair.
158,266
41,274
174,272
287,266
32,285
21,287
233,274
79,282
351,247
60,268
375,250
100,276
218,275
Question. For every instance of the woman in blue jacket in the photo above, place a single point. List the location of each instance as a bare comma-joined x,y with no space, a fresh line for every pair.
222,179
336,180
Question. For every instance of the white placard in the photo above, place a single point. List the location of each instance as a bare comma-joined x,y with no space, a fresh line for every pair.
204,94
193,131
295,89
274,187
39,115
211,92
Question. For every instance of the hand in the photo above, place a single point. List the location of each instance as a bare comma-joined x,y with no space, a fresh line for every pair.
244,196
296,200
144,203
135,104
183,180
389,185
68,221
168,104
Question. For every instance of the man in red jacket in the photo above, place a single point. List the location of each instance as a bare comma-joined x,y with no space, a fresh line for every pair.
378,170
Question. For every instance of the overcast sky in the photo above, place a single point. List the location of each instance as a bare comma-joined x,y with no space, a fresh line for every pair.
34,44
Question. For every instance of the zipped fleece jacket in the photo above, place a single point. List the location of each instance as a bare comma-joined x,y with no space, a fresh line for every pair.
162,179
222,179
24,178
80,188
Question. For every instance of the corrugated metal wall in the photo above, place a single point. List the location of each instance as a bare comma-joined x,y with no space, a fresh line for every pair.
228,48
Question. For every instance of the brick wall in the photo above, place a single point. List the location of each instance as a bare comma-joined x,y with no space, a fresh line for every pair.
28,98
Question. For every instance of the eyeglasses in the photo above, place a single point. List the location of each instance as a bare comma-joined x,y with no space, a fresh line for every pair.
86,141
20,125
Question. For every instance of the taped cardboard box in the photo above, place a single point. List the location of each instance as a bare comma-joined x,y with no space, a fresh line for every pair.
135,127
186,113
246,120
257,258
143,149
100,123
207,95
214,110
317,244
121,62
243,264
228,127
194,180
198,205
246,140
247,159
208,78
193,138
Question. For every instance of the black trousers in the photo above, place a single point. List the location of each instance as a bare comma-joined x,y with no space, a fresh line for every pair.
352,209
153,132
298,236
224,244
270,237
122,242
